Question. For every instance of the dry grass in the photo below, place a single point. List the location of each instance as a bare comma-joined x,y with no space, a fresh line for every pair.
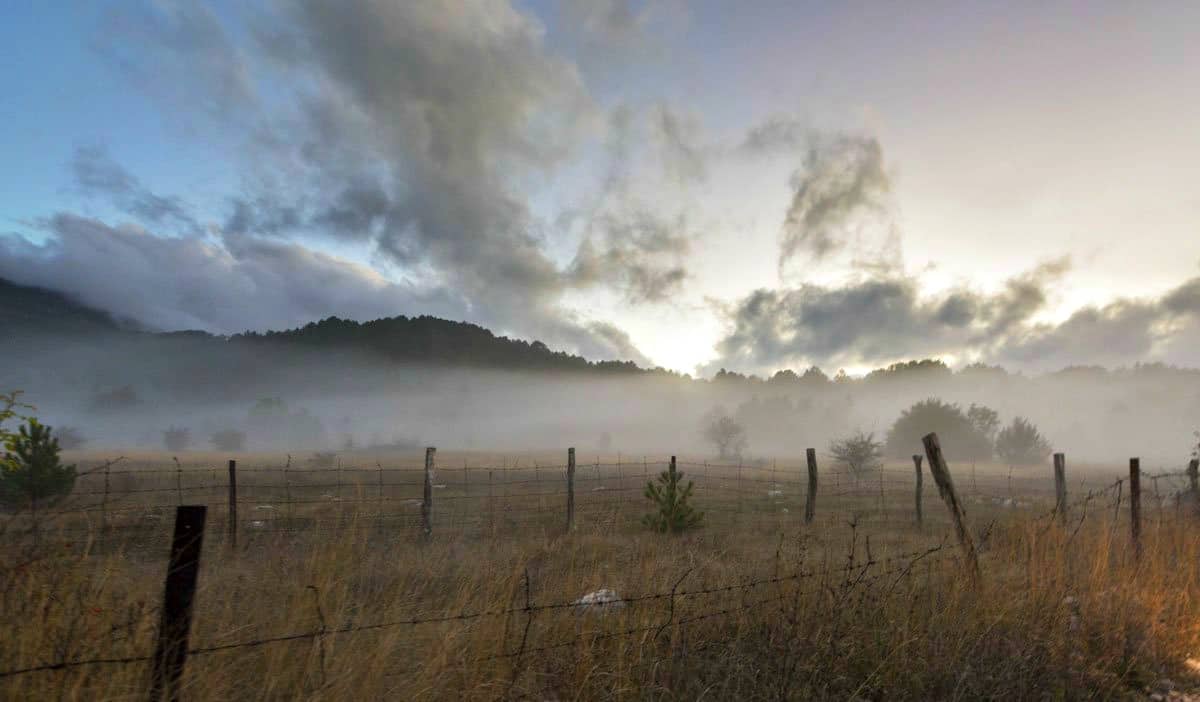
1061,613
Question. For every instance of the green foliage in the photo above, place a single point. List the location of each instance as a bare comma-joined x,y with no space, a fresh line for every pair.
10,408
859,452
673,514
725,433
962,437
1021,443
32,474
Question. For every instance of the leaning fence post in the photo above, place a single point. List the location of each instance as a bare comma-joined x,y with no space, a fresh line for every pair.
945,485
810,500
427,496
917,466
1135,505
570,489
232,526
1060,487
179,593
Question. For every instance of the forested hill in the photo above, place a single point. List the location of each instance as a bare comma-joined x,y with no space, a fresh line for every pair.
26,311
432,340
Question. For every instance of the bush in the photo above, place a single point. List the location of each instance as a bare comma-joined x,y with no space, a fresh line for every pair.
32,474
725,433
674,514
860,453
961,438
228,440
1021,443
177,438
10,404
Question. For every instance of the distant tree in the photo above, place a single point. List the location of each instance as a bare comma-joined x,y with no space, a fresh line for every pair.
1196,447
70,438
859,452
605,443
725,433
985,419
960,437
177,438
673,514
1020,443
323,459
348,443
33,475
228,440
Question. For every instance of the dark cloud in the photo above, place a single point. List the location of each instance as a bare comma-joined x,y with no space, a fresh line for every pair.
841,179
97,174
636,251
876,320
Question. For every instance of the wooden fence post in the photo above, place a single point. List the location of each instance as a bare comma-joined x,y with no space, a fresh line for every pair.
917,466
1060,487
1135,505
1193,473
427,496
810,500
179,593
945,486
570,489
232,526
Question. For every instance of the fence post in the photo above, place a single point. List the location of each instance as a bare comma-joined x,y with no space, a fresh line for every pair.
1135,505
810,500
232,526
917,465
1060,487
179,591
945,485
1193,472
570,489
427,496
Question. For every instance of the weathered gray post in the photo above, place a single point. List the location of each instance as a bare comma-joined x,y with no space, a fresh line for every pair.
1193,473
231,527
810,500
427,496
1135,505
179,592
570,489
917,466
945,485
1060,487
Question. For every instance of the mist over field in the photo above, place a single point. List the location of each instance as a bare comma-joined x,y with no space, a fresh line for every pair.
122,391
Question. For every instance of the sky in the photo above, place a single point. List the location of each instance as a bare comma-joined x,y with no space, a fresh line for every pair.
696,185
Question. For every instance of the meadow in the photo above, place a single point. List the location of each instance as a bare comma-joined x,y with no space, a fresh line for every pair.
334,590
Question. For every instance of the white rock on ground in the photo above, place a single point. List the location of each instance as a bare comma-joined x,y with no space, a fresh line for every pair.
600,600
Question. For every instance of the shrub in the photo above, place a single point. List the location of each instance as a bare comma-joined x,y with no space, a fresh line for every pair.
33,473
228,440
961,437
860,453
725,433
10,406
673,514
177,438
1021,443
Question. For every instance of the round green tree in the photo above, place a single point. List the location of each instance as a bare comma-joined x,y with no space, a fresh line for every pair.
32,474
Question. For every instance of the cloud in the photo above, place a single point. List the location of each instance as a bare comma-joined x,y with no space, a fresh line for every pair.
841,180
682,157
221,285
96,174
877,320
636,251
416,130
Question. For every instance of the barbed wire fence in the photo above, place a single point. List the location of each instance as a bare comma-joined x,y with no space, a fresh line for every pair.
739,492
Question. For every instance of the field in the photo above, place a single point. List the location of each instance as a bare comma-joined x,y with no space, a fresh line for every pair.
334,591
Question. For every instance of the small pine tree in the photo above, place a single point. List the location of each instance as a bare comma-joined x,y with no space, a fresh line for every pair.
32,474
671,498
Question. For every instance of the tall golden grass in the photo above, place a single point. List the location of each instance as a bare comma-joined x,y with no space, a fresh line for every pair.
843,609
